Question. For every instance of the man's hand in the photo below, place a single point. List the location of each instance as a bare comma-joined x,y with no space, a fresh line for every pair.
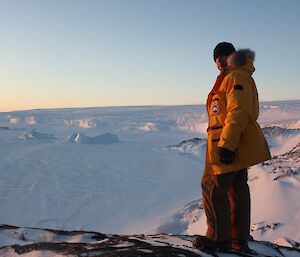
226,156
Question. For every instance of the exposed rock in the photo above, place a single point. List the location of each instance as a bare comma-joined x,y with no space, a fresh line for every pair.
263,227
81,243
34,135
82,138
195,146
284,241
285,165
193,141
279,131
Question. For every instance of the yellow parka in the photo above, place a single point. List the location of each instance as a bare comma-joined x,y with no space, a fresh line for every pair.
233,110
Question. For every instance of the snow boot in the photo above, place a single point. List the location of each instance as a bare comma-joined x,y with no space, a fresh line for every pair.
203,243
240,246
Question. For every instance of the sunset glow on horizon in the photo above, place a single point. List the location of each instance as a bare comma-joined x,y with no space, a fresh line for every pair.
61,54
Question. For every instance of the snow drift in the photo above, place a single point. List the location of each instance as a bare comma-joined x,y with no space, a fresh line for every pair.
35,135
82,138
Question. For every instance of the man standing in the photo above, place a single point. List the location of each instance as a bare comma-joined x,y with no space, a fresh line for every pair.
235,141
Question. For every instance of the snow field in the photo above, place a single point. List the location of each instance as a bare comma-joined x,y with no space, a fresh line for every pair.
132,170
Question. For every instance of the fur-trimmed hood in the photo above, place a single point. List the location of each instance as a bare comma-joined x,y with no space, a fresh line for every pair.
242,58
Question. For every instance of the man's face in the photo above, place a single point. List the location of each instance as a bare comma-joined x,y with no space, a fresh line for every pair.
221,62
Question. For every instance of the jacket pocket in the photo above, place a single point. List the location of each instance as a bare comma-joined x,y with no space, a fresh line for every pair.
212,145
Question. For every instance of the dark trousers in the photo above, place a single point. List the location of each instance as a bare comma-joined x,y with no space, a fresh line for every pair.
226,200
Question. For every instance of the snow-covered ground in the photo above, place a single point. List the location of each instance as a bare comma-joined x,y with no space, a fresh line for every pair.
133,170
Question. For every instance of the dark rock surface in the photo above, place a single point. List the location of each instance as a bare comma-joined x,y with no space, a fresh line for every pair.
81,243
279,131
285,165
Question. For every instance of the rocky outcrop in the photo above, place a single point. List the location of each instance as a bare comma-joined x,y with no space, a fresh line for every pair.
270,131
81,243
35,135
285,165
195,147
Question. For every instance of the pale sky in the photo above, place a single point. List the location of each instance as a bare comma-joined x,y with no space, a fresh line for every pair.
83,53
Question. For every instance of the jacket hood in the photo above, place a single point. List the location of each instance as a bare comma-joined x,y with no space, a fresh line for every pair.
243,59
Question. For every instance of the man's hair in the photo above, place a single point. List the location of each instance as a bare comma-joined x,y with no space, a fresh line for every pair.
223,49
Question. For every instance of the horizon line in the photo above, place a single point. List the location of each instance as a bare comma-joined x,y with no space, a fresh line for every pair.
120,106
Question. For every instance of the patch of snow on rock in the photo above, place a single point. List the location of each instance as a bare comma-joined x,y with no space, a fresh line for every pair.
262,227
124,244
284,241
138,245
285,165
194,146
